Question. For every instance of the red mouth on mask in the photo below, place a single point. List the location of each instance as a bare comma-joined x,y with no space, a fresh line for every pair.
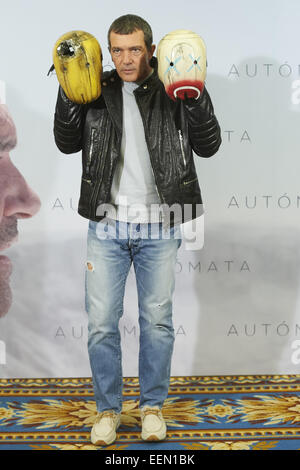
189,88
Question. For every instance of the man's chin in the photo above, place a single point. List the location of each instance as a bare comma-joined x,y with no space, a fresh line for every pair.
5,297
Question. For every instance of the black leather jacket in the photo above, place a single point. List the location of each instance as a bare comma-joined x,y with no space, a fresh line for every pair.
172,131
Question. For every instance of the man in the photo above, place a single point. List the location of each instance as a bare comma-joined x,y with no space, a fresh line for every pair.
132,155
17,201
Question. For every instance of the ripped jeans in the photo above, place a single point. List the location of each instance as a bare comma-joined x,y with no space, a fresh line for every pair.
109,257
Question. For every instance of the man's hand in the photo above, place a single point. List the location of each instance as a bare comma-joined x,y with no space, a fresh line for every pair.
181,59
77,59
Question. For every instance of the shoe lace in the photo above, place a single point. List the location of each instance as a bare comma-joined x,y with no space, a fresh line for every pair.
105,414
150,411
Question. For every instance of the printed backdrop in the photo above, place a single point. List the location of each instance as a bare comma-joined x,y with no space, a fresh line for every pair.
236,304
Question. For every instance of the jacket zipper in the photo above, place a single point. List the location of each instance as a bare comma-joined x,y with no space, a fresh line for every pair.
188,182
87,181
181,146
91,151
89,159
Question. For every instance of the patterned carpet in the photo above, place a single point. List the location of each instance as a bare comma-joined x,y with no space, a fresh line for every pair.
253,412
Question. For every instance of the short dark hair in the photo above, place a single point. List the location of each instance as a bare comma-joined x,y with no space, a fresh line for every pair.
127,24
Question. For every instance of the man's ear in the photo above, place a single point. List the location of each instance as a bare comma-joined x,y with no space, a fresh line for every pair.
151,52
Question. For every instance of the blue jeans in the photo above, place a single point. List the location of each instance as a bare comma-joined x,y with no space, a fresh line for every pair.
109,257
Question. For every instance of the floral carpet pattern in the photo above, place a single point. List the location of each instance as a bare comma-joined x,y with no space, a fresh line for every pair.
253,412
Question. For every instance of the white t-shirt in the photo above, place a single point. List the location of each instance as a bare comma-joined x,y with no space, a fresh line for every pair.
133,192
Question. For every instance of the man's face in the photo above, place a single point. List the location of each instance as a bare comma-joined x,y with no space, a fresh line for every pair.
130,55
17,201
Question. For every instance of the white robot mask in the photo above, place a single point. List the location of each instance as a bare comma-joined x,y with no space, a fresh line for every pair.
181,57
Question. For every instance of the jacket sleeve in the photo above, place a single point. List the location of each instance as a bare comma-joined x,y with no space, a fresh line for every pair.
68,124
203,127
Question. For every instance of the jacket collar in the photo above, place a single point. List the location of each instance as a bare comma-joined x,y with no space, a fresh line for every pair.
151,80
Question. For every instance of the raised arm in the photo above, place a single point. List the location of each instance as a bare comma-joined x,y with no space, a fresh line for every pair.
204,129
68,124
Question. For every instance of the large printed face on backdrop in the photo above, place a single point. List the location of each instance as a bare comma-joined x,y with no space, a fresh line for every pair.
17,201
131,56
181,57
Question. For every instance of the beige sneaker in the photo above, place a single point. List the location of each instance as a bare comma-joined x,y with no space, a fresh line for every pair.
105,426
153,424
